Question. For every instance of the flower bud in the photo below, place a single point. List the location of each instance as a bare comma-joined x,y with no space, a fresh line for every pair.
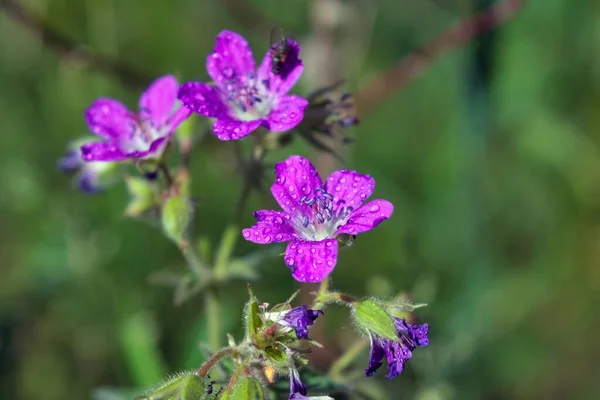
186,386
176,216
371,317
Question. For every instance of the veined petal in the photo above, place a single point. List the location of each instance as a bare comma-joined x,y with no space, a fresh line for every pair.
227,128
311,261
271,226
367,217
296,177
288,113
287,77
201,98
110,118
102,151
349,188
158,101
231,59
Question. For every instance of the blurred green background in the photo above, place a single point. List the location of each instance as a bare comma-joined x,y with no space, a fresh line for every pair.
491,158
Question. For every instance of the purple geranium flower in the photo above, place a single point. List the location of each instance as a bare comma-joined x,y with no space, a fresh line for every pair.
91,177
299,318
399,352
246,98
135,135
315,214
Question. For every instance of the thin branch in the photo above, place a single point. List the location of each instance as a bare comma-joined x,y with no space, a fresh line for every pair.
67,47
371,95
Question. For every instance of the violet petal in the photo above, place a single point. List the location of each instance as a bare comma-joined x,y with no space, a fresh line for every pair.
201,98
311,261
295,177
230,129
231,59
288,113
102,151
110,119
367,217
349,188
158,101
271,226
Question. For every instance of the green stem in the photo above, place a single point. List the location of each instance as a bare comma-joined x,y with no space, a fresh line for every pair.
195,263
213,318
321,298
223,255
346,359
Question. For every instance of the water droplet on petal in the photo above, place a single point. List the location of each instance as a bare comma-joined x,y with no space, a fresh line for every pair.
289,261
228,72
328,244
374,208
267,239
246,233
356,179
338,188
279,236
330,263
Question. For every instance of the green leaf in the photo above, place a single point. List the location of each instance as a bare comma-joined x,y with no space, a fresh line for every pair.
143,197
275,355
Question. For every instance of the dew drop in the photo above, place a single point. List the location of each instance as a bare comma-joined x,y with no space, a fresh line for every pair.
343,180
267,239
313,250
338,188
328,244
246,233
289,261
228,72
279,236
330,263
291,188
362,195
374,208
356,179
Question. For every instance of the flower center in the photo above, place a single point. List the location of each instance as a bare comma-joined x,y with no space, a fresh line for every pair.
321,219
142,132
248,98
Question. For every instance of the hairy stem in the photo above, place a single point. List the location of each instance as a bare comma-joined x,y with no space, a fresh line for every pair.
205,368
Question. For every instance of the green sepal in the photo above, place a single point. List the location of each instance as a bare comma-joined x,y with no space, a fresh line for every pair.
252,313
372,318
275,356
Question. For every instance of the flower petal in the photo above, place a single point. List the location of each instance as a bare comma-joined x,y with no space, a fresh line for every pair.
102,151
271,226
227,128
367,217
349,188
158,101
295,177
397,354
287,77
231,59
201,98
288,113
72,161
311,261
109,118
376,357
180,115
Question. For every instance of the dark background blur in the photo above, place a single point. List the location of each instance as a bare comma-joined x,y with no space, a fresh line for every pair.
491,157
